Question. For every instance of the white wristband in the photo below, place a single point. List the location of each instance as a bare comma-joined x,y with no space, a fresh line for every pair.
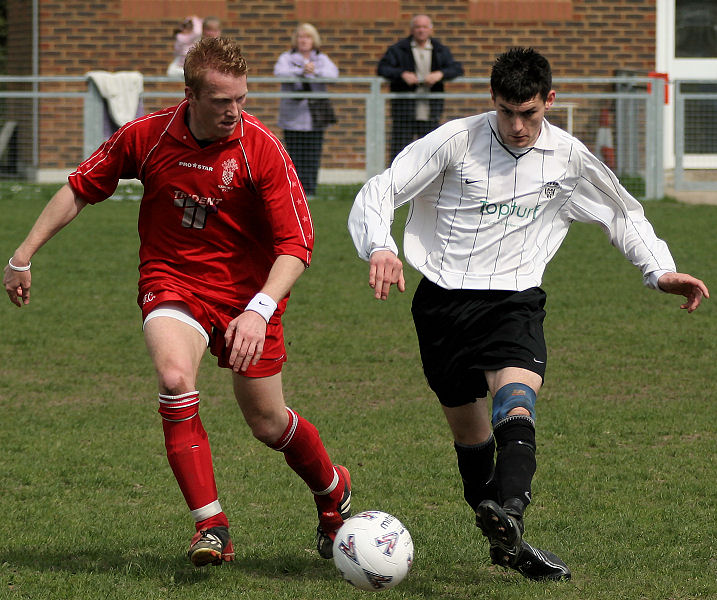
14,268
262,304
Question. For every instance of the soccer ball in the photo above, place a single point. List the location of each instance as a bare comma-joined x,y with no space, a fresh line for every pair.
373,551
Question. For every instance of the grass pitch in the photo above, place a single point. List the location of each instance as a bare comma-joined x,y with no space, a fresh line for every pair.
624,492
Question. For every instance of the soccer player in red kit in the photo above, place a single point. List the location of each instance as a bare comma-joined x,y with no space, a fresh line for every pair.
225,232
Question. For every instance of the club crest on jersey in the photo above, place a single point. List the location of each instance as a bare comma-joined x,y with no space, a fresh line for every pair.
229,166
551,188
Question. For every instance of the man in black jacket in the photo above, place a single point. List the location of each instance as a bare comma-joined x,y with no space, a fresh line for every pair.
418,64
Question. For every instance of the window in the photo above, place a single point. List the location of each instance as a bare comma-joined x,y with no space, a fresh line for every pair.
695,29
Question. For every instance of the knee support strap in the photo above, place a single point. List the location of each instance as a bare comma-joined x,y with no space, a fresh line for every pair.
510,396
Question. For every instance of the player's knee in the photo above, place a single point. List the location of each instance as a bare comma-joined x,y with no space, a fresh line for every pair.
266,427
174,380
513,399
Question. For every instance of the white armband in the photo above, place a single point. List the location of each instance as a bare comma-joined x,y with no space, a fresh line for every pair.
15,268
262,304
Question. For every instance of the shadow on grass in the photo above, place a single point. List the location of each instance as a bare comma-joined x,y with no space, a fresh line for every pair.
150,565
290,567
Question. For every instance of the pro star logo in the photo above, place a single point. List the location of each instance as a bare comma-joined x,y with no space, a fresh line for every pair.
228,168
550,189
387,543
348,548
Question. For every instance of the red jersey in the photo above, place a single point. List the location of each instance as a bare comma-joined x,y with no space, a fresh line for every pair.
212,220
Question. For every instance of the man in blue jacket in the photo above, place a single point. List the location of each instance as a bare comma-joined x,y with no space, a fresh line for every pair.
418,64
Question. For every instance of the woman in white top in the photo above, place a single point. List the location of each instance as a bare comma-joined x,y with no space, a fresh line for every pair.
303,133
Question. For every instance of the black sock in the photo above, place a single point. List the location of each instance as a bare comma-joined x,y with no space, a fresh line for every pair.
476,466
515,462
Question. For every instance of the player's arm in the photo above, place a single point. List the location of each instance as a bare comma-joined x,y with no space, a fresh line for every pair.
246,333
62,208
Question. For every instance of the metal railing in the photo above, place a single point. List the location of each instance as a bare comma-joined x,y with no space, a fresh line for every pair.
695,135
58,121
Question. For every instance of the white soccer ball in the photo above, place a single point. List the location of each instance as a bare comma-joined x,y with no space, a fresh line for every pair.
373,551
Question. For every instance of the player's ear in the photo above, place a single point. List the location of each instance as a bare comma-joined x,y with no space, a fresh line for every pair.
550,99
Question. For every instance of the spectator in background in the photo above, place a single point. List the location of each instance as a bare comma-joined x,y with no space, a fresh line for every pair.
185,36
211,27
419,64
303,134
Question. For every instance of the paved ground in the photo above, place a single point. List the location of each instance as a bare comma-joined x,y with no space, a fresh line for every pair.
692,197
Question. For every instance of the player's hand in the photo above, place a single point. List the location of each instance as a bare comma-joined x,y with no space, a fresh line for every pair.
385,269
245,335
685,285
17,285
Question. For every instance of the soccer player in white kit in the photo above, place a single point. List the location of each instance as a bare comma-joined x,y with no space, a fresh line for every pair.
491,199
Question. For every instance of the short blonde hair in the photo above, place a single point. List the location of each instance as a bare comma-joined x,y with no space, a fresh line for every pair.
212,54
306,28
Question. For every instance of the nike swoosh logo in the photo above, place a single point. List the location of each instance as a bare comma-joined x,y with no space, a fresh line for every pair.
263,303
541,362
469,181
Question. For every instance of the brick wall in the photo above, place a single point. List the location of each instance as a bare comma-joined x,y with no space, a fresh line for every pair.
580,37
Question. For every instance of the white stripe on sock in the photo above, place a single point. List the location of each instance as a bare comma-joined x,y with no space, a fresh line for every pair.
331,488
204,512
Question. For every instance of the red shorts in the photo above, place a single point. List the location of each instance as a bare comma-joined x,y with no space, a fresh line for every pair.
215,319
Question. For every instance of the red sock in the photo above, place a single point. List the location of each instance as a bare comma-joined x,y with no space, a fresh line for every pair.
190,457
305,454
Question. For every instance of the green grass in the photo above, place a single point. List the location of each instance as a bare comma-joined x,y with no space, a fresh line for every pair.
625,490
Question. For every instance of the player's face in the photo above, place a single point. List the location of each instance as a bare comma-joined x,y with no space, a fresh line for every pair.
519,124
214,112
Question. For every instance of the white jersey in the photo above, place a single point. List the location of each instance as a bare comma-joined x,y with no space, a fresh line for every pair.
484,216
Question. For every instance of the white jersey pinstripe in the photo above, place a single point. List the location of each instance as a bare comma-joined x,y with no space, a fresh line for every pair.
484,216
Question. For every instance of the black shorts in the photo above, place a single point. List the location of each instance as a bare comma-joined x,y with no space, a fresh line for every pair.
462,333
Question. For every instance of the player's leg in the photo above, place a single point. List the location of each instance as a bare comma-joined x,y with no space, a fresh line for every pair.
514,391
176,345
475,449
261,400
445,321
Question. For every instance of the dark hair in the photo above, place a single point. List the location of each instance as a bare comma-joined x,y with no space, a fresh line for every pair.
520,74
212,54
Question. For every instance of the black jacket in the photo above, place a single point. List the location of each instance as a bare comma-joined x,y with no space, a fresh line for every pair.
399,58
